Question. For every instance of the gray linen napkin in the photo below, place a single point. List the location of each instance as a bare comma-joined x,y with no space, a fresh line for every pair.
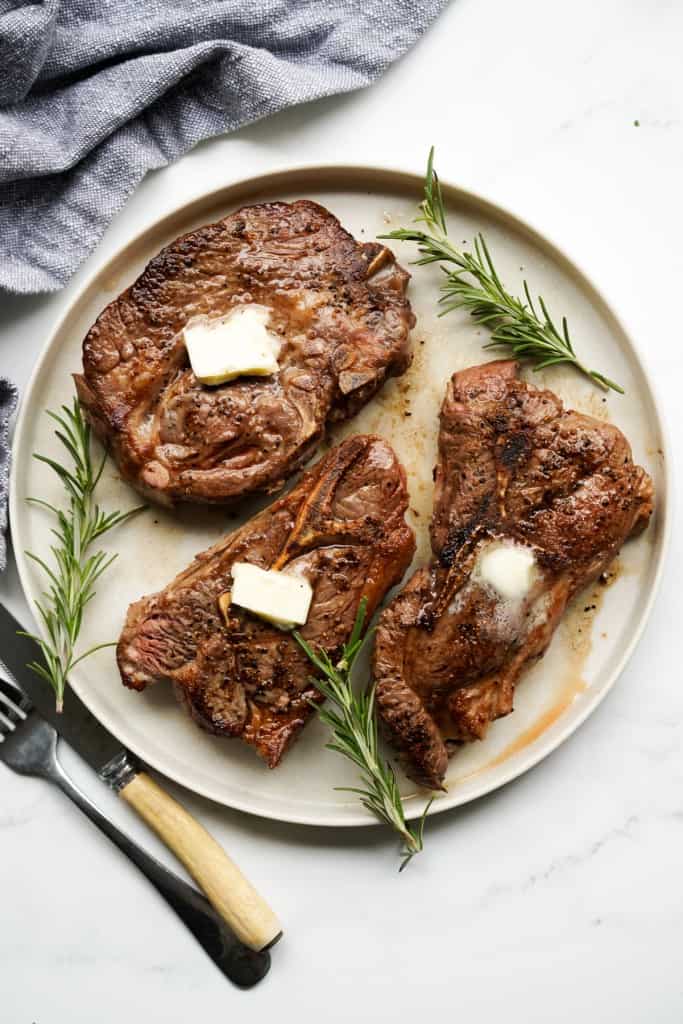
95,93
8,401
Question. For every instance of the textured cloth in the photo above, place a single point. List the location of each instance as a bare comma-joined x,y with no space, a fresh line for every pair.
95,93
8,401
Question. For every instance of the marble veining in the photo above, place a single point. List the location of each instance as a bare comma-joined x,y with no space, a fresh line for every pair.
557,899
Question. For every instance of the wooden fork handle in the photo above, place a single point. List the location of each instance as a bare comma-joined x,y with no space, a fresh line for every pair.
226,888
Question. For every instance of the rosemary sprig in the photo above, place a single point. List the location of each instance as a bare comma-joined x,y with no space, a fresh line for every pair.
523,326
354,735
75,571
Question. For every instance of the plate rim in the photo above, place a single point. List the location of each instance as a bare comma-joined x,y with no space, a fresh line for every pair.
552,738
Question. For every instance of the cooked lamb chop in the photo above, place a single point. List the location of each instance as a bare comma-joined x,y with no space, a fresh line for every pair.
343,528
338,306
515,469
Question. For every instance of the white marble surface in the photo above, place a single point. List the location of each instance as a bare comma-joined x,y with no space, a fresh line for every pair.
558,898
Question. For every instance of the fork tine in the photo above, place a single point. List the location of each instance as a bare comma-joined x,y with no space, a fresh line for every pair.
7,723
10,706
8,684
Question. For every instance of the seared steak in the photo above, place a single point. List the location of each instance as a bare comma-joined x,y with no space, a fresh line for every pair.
338,306
514,466
343,527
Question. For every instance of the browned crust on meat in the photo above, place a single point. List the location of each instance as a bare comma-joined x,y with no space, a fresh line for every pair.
338,306
513,463
344,526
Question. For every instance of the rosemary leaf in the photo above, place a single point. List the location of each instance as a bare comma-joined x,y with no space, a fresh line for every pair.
76,570
353,723
515,323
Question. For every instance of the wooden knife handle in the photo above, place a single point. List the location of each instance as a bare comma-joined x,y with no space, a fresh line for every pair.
225,886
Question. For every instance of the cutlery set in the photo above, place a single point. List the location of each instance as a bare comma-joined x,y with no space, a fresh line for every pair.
234,925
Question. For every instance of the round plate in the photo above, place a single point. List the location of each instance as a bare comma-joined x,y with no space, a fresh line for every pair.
597,635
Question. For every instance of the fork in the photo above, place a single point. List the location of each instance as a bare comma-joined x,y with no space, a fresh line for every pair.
28,745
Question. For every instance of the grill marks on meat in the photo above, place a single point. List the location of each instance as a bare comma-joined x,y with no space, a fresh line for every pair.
338,306
513,464
343,527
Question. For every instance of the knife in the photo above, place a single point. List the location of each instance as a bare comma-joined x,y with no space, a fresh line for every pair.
226,888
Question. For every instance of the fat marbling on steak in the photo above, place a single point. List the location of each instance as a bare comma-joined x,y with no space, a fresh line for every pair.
513,466
343,527
338,306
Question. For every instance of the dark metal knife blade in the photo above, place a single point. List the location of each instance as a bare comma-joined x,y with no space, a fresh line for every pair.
231,894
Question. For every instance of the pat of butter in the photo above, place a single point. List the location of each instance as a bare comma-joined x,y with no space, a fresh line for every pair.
510,569
236,345
278,597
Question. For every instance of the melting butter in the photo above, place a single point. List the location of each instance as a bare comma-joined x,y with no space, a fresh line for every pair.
236,345
508,568
282,598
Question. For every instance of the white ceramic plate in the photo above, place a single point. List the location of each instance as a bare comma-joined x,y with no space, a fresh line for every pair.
588,651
